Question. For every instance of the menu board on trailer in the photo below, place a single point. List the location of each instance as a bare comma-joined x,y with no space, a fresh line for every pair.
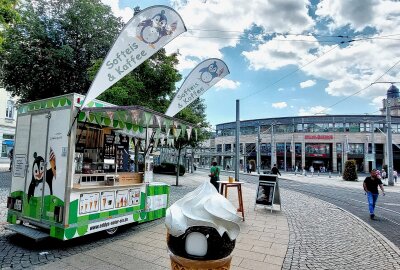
134,196
121,198
88,203
107,200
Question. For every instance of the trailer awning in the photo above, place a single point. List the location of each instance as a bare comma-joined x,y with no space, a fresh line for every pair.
136,119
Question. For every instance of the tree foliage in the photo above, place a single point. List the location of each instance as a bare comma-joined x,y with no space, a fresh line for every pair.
49,50
8,16
350,171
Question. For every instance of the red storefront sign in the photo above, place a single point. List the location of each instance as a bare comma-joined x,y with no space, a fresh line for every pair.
318,137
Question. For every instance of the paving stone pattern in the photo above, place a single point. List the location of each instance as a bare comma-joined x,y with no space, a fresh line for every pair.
18,252
322,236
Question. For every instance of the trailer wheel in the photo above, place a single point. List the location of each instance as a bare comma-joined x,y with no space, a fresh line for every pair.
112,231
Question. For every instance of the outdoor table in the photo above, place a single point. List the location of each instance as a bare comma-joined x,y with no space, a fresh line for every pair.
224,186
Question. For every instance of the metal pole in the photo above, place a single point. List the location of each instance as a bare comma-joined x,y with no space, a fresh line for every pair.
258,149
389,143
237,149
373,145
272,146
284,157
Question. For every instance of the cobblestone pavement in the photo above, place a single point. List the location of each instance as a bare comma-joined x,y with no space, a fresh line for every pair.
18,252
322,236
349,196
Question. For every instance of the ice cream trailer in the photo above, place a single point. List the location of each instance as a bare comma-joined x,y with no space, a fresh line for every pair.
72,174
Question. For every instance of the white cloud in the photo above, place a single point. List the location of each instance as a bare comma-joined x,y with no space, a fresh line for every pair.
313,110
377,103
279,105
226,84
125,13
279,52
281,89
229,19
347,69
307,83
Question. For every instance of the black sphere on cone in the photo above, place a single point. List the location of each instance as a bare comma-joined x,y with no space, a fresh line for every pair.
217,247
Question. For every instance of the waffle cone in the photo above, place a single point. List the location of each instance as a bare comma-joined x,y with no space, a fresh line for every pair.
180,263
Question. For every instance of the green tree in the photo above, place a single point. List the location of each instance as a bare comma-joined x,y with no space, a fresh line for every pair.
350,171
50,49
8,16
195,114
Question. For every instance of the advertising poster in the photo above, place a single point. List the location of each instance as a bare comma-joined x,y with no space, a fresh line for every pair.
107,200
156,202
134,196
265,192
121,197
88,203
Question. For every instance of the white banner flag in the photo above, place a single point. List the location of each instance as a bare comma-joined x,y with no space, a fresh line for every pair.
146,33
199,80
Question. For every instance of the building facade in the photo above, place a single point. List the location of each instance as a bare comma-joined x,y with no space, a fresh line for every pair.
8,116
324,142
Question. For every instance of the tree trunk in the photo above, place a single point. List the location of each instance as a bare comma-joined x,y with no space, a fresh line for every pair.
178,166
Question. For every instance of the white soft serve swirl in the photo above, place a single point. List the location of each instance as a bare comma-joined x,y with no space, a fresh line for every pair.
203,207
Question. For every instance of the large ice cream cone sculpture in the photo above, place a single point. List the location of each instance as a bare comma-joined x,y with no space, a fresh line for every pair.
202,230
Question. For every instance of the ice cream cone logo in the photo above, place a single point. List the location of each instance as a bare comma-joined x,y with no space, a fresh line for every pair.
122,202
90,205
104,202
95,204
85,206
81,208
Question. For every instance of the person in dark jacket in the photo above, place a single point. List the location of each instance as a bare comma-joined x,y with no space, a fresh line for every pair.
370,185
275,170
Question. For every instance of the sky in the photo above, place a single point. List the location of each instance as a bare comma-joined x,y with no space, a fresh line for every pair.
287,57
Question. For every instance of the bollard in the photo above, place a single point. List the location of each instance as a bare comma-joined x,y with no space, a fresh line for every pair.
329,174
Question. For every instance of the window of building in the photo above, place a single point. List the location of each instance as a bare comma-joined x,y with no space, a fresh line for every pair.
338,147
10,109
228,147
219,148
7,145
248,130
356,148
354,127
299,128
339,127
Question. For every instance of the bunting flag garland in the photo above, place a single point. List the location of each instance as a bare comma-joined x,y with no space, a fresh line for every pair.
183,127
110,115
135,116
177,132
158,120
147,117
87,113
167,124
189,132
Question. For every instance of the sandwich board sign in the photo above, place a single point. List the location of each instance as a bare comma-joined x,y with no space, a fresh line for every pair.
268,191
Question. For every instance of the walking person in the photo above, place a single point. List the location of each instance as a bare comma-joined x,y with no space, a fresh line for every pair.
11,156
275,170
312,170
370,185
395,176
214,175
